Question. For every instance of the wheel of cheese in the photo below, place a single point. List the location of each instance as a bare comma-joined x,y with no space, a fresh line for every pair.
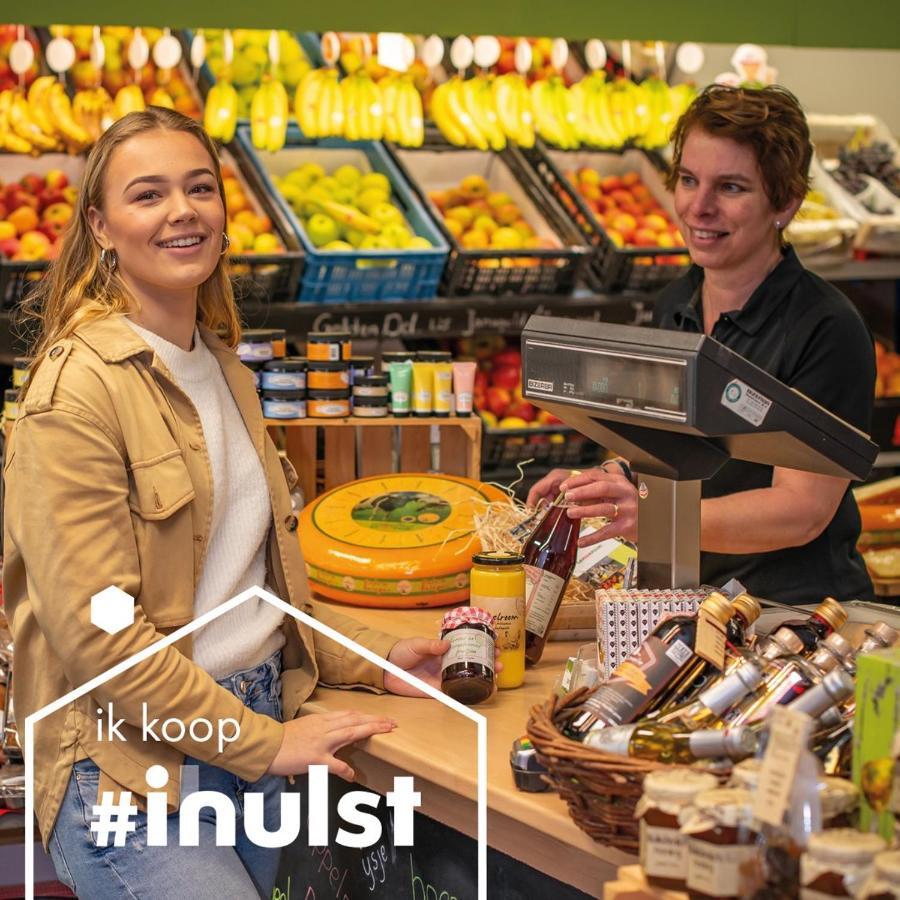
395,541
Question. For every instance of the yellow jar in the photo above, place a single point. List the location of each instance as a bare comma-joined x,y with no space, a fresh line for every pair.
497,584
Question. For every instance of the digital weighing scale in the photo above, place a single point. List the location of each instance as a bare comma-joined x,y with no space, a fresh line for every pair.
678,406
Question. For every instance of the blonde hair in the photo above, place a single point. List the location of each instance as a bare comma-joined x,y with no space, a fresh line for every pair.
78,288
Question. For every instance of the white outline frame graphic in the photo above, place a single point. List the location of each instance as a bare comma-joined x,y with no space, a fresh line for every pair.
262,594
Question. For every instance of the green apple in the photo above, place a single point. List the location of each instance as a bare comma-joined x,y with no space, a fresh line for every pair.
419,243
386,214
338,245
329,184
375,180
322,229
314,196
397,235
347,175
355,237
346,195
370,197
306,175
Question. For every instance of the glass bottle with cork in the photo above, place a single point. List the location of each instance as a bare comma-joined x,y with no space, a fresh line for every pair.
550,553
827,617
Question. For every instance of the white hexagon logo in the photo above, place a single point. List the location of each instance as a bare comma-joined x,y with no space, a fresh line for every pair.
112,609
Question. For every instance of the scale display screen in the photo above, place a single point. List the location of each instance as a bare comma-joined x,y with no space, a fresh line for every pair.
611,378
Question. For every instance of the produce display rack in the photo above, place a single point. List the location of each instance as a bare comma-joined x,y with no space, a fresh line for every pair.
357,448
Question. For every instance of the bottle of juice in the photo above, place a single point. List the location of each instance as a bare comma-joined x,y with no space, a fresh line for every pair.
497,584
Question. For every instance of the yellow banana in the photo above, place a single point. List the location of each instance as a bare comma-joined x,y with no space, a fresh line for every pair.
330,112
279,107
353,113
373,108
220,115
480,105
394,111
443,118
612,133
506,102
546,113
37,101
9,140
306,101
458,108
128,99
23,125
413,113
565,113
60,109
161,97
348,215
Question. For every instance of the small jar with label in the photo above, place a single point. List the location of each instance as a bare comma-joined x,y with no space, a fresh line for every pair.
328,404
255,345
11,404
288,374
327,376
370,407
467,668
21,368
837,863
371,386
884,883
284,404
724,860
329,346
667,800
279,343
360,367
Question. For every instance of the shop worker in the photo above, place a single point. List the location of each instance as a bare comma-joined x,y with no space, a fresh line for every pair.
740,173
141,461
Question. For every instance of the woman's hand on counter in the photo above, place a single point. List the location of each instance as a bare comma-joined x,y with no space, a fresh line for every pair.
314,739
419,656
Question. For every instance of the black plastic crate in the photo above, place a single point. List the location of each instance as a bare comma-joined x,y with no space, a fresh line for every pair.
551,445
483,272
611,268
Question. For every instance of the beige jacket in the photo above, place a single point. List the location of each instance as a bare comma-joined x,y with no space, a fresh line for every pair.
108,483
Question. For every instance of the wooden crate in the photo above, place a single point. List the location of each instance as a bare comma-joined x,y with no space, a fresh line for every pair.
357,448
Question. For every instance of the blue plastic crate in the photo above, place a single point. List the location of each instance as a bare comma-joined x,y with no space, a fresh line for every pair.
360,275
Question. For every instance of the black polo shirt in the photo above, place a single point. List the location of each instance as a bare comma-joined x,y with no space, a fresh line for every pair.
806,333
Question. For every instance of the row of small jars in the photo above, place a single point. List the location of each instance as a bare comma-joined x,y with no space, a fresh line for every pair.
698,837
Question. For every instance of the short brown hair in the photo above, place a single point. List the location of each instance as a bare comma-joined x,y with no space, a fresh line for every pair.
768,120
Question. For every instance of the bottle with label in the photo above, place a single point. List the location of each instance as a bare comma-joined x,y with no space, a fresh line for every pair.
638,680
667,744
782,643
550,553
827,617
497,584
663,849
698,675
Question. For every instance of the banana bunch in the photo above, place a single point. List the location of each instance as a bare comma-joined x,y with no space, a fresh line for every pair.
319,104
220,115
513,104
404,119
40,121
56,102
363,108
466,115
29,125
554,113
92,109
10,139
269,116
658,101
595,124
128,99
161,97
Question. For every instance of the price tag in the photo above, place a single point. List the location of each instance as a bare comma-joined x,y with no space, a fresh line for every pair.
689,57
559,54
227,47
626,58
486,51
98,49
274,48
167,52
138,50
393,51
432,51
595,54
710,641
331,48
462,52
524,56
198,50
60,54
789,733
21,56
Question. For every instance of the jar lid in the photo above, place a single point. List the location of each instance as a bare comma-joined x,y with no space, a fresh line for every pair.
359,361
832,612
728,806
343,394
315,365
838,795
718,606
279,333
288,364
269,394
498,558
257,335
888,864
372,402
22,362
328,337
845,845
748,607
371,381
678,786
745,774
11,395
467,615
434,356
254,365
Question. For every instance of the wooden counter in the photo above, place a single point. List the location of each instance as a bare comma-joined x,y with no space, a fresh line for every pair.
437,746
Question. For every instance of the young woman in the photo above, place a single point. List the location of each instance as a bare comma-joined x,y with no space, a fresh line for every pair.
741,163
141,461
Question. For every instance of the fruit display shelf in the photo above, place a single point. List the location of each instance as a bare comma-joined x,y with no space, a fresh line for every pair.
618,261
356,274
548,261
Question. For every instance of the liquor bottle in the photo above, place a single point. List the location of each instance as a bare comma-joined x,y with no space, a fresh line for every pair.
781,643
715,700
666,744
827,617
700,673
550,554
646,673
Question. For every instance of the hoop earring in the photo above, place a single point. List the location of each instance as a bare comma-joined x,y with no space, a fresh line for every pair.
226,243
108,258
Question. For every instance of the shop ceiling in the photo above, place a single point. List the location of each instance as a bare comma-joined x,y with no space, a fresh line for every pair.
805,23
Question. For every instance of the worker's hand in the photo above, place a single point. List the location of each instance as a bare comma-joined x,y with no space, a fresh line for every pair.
314,739
548,487
420,657
609,494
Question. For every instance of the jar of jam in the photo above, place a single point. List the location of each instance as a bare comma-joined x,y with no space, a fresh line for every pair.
724,860
668,796
328,346
885,882
840,800
837,863
467,669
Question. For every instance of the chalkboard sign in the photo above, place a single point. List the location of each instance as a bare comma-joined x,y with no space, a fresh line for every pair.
442,865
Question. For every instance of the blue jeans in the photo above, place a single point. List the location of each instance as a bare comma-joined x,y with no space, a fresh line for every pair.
167,873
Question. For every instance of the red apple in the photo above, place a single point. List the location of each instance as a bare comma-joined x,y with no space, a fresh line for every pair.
506,377
508,357
10,247
522,410
32,183
497,400
481,381
49,198
56,178
70,194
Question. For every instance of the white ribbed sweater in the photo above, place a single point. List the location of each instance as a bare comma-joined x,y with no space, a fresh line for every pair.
241,517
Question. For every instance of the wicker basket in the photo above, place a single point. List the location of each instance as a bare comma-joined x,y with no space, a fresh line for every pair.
600,789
